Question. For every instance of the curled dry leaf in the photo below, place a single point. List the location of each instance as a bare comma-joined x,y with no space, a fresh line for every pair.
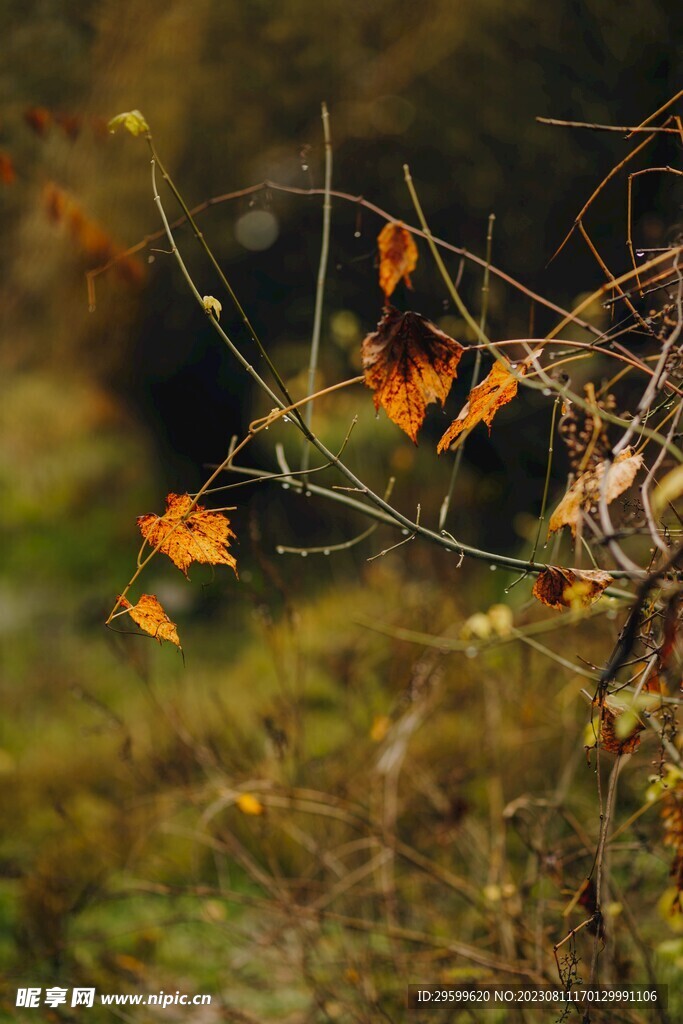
570,588
584,493
409,363
484,401
609,732
189,534
397,257
212,306
149,615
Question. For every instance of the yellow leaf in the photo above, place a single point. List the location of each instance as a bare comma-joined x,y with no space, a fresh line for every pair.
397,257
484,401
249,804
149,615
188,533
132,120
380,727
584,493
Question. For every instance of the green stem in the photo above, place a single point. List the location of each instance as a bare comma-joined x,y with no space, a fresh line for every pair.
546,486
445,505
320,286
448,280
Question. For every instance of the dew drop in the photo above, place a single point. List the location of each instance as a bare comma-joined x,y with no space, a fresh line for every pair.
513,366
507,590
546,392
285,487
326,551
286,419
265,428
404,532
280,550
307,493
304,167
493,568
471,652
639,253
304,553
356,234
151,258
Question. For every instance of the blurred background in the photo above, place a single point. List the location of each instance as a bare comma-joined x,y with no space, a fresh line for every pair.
106,741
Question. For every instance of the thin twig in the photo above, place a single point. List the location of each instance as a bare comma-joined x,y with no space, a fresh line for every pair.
320,284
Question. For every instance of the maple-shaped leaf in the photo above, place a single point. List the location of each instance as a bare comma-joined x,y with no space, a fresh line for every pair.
570,588
189,534
409,363
584,493
149,615
397,256
484,401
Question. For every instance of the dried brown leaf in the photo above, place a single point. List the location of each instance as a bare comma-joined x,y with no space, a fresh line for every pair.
570,588
484,401
409,363
189,534
608,738
585,491
397,256
149,615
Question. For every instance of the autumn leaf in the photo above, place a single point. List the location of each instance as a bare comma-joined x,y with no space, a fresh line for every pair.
484,401
94,242
132,120
570,588
611,737
38,119
8,174
380,727
149,615
189,534
584,493
249,804
397,257
409,363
